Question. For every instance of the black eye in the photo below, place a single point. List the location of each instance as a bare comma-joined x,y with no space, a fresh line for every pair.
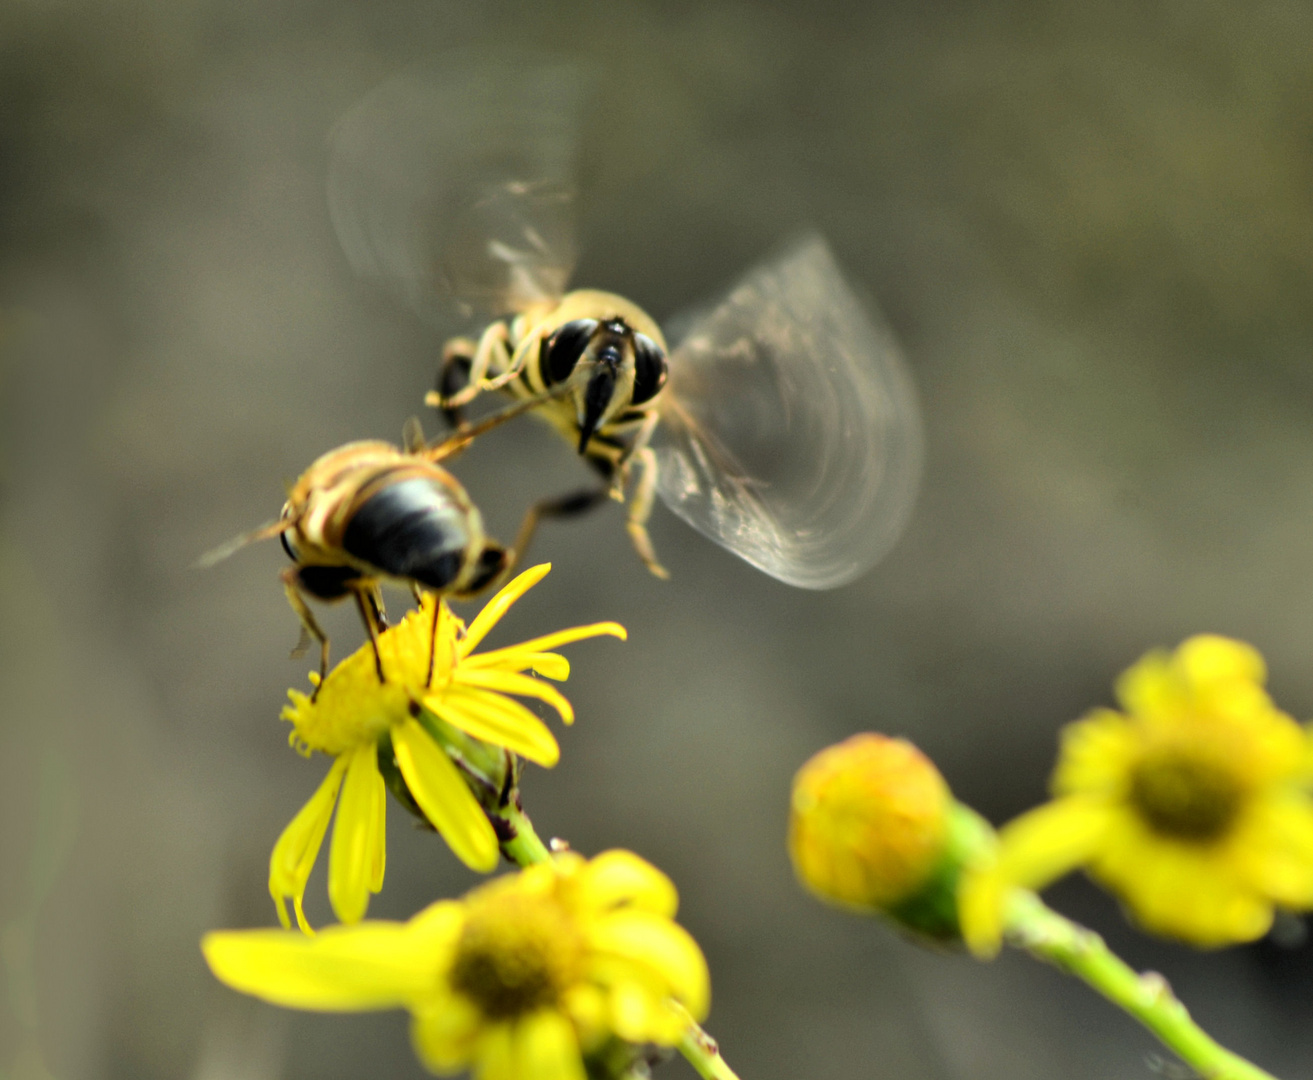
649,369
559,353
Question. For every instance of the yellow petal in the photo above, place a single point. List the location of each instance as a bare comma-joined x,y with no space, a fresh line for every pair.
506,657
635,1011
499,605
546,1048
353,858
509,682
494,1054
498,720
1210,658
444,797
1043,844
981,900
586,1005
444,1030
297,848
658,947
1273,849
549,665
1186,893
1033,850
618,878
378,860
1151,688
372,965
1096,754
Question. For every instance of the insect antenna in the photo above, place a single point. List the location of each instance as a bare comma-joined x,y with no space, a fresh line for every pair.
264,532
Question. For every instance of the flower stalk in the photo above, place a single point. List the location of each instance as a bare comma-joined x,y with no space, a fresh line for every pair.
1046,935
520,843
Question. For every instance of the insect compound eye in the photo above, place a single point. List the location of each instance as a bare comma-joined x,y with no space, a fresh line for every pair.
560,352
649,369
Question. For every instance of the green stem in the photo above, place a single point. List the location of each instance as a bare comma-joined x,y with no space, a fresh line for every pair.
701,1051
1070,947
526,848
696,1045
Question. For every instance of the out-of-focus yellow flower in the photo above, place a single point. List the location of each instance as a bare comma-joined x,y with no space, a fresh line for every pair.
868,821
1192,805
437,697
518,981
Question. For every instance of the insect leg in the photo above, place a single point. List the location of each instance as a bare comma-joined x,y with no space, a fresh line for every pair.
640,508
368,604
563,506
292,587
493,354
453,377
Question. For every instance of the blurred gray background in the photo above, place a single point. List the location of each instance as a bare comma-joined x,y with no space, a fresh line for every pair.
1091,226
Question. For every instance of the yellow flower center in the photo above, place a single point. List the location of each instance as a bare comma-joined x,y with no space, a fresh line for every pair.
1186,796
353,707
516,954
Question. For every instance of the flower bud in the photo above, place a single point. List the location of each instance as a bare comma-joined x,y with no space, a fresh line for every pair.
873,827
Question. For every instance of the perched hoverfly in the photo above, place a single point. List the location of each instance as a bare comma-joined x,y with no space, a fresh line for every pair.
370,512
782,424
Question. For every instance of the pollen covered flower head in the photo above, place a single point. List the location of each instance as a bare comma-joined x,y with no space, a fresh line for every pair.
442,714
521,979
1192,805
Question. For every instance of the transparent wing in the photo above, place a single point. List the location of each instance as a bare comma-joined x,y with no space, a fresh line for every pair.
792,436
453,186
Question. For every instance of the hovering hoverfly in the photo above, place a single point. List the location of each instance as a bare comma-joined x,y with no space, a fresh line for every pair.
783,424
370,512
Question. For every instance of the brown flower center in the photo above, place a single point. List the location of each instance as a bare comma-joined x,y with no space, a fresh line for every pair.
516,954
1186,796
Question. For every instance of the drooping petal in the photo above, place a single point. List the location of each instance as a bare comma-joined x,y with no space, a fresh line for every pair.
444,1031
546,1048
444,797
500,604
498,720
372,965
510,682
619,878
379,848
297,848
508,656
354,859
656,946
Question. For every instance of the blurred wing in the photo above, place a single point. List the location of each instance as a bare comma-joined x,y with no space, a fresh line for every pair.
792,436
453,186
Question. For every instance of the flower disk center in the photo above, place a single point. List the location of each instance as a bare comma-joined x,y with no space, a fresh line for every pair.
1186,797
516,954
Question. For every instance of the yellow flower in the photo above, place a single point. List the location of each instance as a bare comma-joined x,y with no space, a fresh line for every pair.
869,821
1192,805
519,980
438,702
